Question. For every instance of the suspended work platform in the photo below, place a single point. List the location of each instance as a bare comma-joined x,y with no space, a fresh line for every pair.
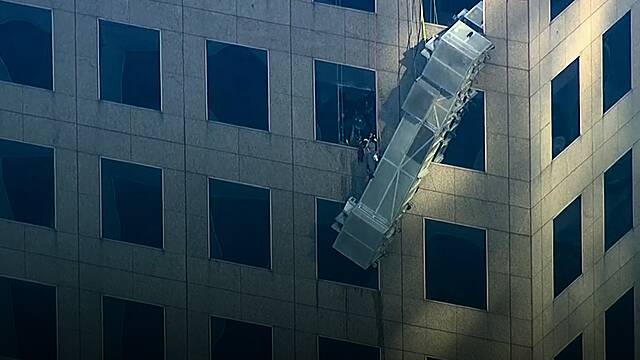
431,113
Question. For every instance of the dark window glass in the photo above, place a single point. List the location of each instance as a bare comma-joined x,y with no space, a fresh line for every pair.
618,200
26,55
466,148
456,270
28,324
331,349
231,340
132,203
240,223
443,11
27,183
365,5
345,103
132,330
567,246
616,61
573,351
620,329
130,65
237,85
557,6
565,108
332,265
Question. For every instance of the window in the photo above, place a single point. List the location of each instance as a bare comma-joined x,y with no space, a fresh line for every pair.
567,246
466,148
620,329
331,349
27,189
557,6
132,203
28,325
345,103
237,85
229,340
565,108
573,351
332,265
132,330
443,11
240,223
618,200
26,55
365,5
129,65
616,62
456,264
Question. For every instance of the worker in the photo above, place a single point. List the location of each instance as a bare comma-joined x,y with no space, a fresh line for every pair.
368,153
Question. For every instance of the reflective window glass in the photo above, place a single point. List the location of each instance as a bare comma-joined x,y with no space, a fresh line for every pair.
443,11
132,330
573,351
332,349
616,61
466,148
27,188
567,246
345,102
237,85
229,340
565,108
620,328
332,265
240,223
557,6
129,65
132,203
28,324
26,55
365,5
618,200
456,268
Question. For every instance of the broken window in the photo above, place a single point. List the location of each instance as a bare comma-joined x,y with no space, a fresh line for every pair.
565,108
26,55
616,62
240,223
455,263
345,103
132,330
567,246
466,148
27,188
28,325
229,340
129,64
332,265
442,12
132,203
237,85
365,5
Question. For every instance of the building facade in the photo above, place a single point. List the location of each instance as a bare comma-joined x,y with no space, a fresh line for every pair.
169,171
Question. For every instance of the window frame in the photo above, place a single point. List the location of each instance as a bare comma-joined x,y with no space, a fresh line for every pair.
55,187
211,316
484,19
580,115
53,49
582,250
569,343
375,7
98,19
162,185
313,85
318,336
484,135
632,288
633,195
57,303
206,83
424,262
551,17
122,298
631,53
212,259
315,236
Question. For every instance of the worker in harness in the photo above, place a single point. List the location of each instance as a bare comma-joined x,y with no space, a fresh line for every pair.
368,153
